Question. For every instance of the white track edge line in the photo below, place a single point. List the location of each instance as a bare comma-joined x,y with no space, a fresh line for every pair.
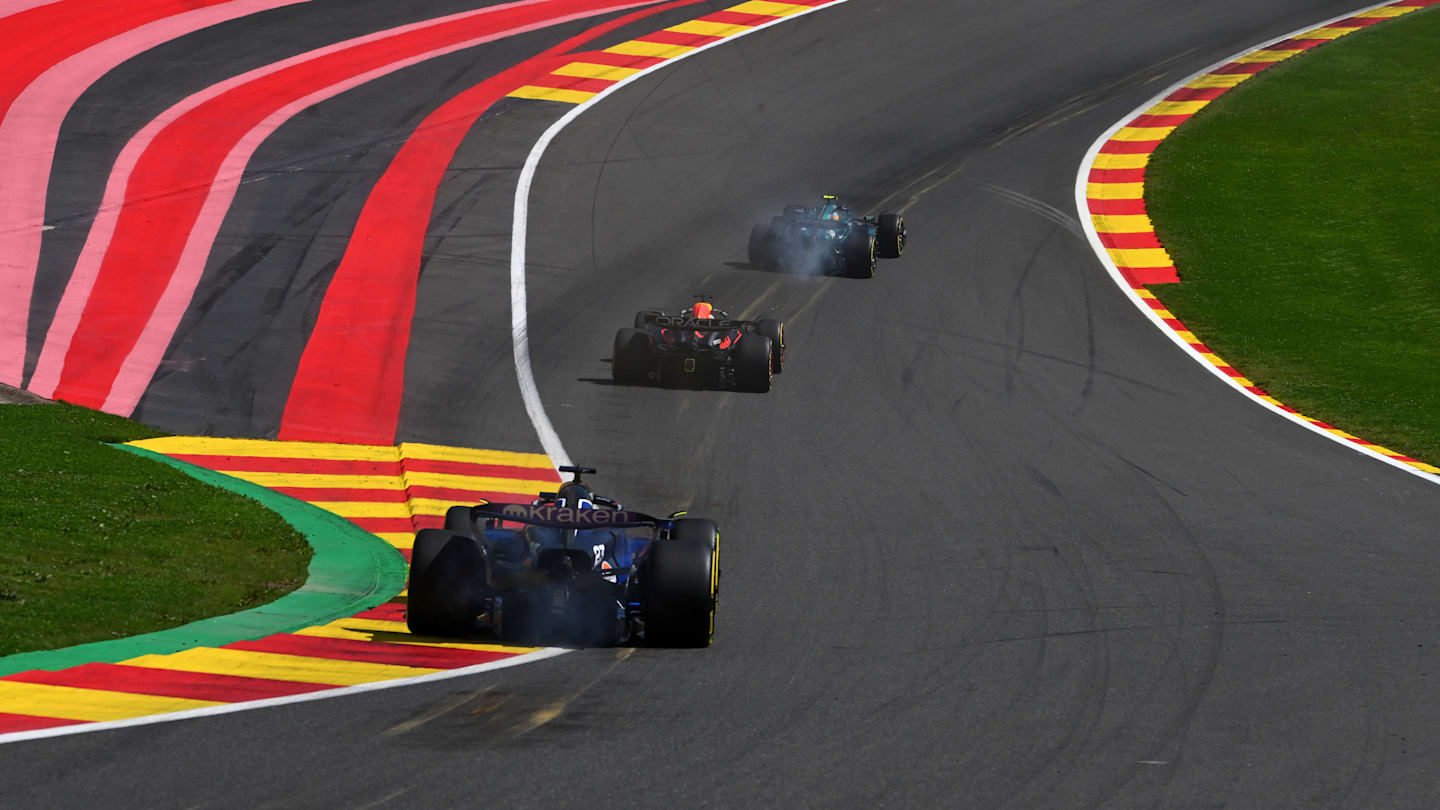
519,317
1081,180
229,708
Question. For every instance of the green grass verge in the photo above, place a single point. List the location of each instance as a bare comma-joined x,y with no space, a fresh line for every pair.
1301,209
100,544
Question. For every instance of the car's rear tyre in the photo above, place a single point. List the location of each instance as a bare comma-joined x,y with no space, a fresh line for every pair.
630,361
698,529
890,236
860,253
762,247
682,581
447,578
643,314
458,519
752,363
775,330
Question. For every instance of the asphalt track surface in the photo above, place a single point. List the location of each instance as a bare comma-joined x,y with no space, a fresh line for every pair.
991,540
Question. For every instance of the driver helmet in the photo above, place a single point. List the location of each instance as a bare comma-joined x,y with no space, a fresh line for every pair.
575,495
704,310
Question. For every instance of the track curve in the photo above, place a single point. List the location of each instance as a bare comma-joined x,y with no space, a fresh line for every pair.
991,541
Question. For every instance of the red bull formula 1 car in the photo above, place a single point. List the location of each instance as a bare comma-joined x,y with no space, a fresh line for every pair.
570,568
826,239
699,348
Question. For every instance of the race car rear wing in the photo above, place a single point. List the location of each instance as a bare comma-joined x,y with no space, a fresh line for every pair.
828,224
822,224
698,324
564,517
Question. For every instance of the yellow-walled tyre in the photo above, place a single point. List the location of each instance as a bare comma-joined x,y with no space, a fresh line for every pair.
682,585
860,253
775,330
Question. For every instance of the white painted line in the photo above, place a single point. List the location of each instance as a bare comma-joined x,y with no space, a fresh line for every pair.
1082,177
519,317
150,719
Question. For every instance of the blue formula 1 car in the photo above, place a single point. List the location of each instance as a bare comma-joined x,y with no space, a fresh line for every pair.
574,568
826,239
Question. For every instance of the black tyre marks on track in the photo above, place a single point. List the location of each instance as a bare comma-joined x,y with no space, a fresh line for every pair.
231,364
229,369
115,108
456,374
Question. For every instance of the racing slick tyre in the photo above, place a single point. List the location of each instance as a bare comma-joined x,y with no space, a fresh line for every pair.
630,361
752,364
447,575
762,247
682,580
643,314
860,254
698,529
775,330
457,519
891,236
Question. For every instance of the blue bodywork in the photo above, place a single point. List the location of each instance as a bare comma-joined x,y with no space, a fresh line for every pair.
571,572
610,549
572,567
